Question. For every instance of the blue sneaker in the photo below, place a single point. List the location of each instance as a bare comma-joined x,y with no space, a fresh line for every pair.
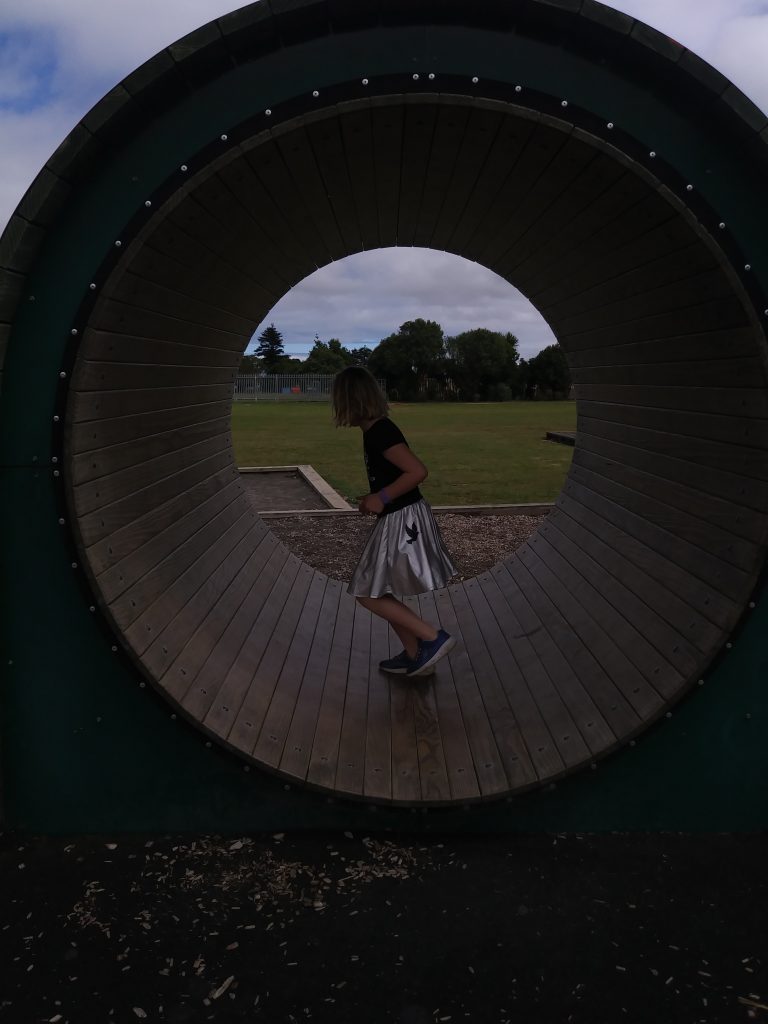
431,651
398,665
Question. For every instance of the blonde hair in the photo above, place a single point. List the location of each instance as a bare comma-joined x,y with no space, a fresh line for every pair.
356,397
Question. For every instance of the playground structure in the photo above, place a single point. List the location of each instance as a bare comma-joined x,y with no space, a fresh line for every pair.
601,168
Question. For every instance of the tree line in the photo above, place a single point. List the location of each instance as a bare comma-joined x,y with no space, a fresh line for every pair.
419,363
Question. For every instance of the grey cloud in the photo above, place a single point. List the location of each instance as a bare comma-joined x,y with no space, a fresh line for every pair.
110,39
732,35
29,139
95,45
741,52
21,62
365,297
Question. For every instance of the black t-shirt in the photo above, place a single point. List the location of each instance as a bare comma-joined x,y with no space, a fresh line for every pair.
383,434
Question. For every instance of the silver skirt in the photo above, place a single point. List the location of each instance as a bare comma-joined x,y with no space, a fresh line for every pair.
405,555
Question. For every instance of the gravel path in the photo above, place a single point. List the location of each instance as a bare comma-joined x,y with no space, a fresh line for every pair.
333,544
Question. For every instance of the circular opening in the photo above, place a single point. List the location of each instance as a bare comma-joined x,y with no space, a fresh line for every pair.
458,351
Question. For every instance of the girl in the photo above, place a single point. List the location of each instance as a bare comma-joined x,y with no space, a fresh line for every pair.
405,554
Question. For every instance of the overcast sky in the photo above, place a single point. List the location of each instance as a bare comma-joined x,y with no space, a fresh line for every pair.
59,57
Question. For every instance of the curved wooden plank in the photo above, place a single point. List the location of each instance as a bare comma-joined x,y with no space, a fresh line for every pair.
659,653
692,609
459,766
507,731
245,730
222,675
98,406
280,710
94,434
713,522
120,543
94,495
377,776
735,431
110,519
559,722
102,463
323,760
168,548
543,631
357,133
196,663
298,745
226,710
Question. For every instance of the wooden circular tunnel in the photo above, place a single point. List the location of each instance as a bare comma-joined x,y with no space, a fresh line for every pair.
592,630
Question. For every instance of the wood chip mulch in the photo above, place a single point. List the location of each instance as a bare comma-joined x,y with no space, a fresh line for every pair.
334,544
332,928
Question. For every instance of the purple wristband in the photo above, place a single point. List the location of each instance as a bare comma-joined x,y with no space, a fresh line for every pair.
383,496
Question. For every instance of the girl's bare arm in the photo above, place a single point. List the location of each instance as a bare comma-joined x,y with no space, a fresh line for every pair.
413,473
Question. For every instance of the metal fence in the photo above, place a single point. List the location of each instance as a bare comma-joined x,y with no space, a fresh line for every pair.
287,387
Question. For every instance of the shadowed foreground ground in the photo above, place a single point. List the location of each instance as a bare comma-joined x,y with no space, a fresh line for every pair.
349,928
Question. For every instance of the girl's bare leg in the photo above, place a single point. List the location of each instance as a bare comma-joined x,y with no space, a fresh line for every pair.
406,623
408,626
409,641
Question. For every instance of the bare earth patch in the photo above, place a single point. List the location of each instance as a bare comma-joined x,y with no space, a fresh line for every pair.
333,544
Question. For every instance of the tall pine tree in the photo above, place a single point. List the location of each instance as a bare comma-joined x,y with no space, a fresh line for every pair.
270,348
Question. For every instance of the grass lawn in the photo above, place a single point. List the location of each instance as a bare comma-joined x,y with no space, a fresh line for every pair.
476,453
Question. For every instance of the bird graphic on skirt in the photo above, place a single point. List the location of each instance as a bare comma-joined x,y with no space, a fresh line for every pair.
413,533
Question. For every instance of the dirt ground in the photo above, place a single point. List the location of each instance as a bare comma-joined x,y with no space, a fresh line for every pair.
333,544
348,928
270,492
